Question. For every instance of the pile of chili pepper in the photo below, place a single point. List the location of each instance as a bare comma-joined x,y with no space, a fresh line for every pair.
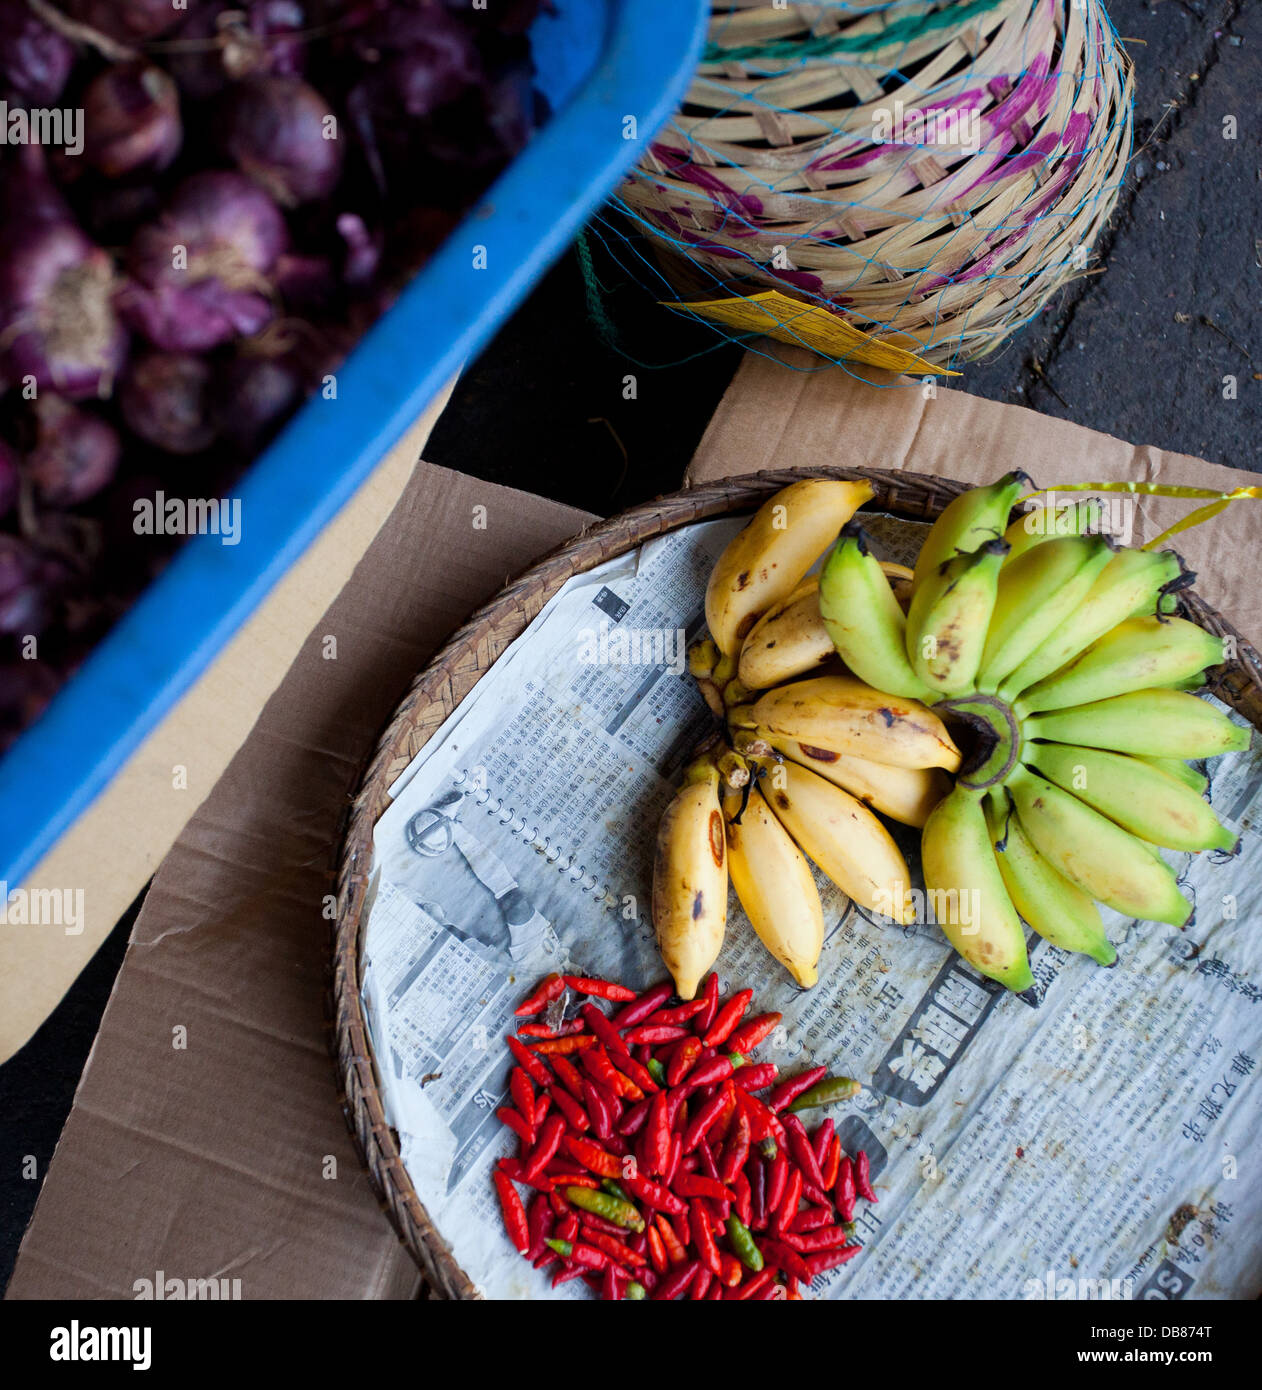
661,1159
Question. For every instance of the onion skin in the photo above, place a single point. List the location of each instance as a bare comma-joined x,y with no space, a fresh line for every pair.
57,316
164,397
131,120
233,234
76,453
35,61
127,21
276,132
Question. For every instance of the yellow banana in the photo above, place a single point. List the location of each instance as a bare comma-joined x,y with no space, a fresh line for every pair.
842,836
951,620
1058,910
1179,770
1137,797
766,561
1036,594
690,878
1132,582
862,617
1136,654
970,900
787,641
775,886
843,715
1159,723
1104,860
905,794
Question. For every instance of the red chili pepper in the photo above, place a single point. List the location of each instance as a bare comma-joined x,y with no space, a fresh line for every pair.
552,1047
657,1136
862,1177
831,1163
604,1030
652,1194
777,1177
539,1223
515,1222
801,1152
777,1255
638,1073
761,1120
742,1197
552,987
598,1110
541,1030
703,1239
593,1157
549,1143
702,1121
672,1163
698,1185
575,1115
567,1227
708,1072
657,1251
657,1034
542,1105
710,997
810,1242
821,1142
674,1284
757,1030
737,1150
830,1259
530,1063
788,1207
521,1128
600,989
700,1285
566,1273
756,1077
675,1102
571,1077
788,1091
596,1060
811,1219
609,1289
639,1010
757,1171
727,1018
675,1250
580,1253
560,1178
682,1060
705,1160
755,1284
846,1190
616,1249
681,1013
633,1121
588,1222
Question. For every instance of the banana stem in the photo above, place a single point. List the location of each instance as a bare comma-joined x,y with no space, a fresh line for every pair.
998,745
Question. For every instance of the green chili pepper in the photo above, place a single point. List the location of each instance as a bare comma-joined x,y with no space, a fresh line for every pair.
827,1092
614,1209
656,1071
615,1191
743,1243
635,1292
564,1248
737,1059
768,1148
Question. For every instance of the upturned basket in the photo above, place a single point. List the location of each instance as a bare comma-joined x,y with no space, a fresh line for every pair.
1005,129
457,668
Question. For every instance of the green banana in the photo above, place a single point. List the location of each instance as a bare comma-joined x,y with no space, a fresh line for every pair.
952,632
1036,594
1156,722
1179,770
959,866
863,617
1034,527
975,516
1131,583
1104,860
1136,654
1056,908
1137,797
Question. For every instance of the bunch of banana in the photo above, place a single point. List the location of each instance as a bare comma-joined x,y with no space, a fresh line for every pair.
1047,650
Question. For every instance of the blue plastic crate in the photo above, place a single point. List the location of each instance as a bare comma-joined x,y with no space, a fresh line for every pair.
598,61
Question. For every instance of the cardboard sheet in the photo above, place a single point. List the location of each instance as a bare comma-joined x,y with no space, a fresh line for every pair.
773,416
205,1139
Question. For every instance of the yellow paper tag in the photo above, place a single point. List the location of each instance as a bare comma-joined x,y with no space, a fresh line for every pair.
807,325
1221,500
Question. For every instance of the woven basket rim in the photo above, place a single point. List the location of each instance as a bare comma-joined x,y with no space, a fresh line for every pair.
914,496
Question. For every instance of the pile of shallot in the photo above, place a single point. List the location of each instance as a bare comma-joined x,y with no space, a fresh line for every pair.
235,192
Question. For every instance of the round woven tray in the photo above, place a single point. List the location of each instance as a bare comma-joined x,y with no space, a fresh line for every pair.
449,677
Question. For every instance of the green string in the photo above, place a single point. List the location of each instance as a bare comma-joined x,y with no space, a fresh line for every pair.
822,45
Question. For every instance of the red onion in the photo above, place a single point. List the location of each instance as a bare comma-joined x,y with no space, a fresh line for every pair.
23,604
283,134
164,398
128,21
253,396
131,120
232,233
56,312
363,249
234,40
35,61
424,60
8,478
75,454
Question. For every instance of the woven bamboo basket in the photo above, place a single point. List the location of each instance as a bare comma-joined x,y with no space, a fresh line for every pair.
1009,132
449,677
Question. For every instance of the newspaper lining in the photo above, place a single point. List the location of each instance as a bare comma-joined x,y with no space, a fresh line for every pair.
1093,1147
